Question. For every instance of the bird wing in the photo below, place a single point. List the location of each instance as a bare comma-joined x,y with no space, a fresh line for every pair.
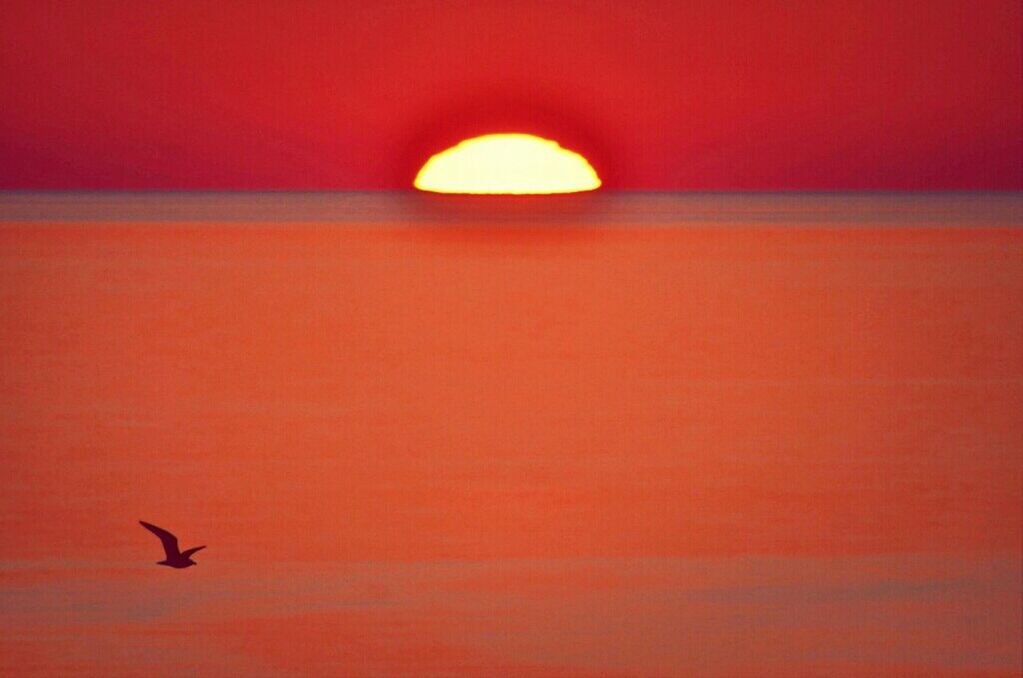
187,553
169,541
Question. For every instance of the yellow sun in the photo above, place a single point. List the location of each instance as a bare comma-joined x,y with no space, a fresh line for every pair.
507,163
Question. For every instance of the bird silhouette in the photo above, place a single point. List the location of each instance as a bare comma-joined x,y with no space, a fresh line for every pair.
175,558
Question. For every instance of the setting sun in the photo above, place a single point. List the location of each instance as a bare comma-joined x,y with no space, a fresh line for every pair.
507,163
533,339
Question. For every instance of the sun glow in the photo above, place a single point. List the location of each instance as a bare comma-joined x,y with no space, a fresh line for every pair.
519,164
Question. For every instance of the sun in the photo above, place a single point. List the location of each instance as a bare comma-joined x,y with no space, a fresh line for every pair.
519,164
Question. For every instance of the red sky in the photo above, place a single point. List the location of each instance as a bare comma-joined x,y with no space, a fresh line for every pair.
660,95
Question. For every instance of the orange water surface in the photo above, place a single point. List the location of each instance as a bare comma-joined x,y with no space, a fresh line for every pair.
789,446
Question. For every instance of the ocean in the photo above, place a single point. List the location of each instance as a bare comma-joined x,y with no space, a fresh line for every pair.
638,434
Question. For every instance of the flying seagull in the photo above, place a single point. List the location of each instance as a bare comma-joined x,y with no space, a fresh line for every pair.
175,558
